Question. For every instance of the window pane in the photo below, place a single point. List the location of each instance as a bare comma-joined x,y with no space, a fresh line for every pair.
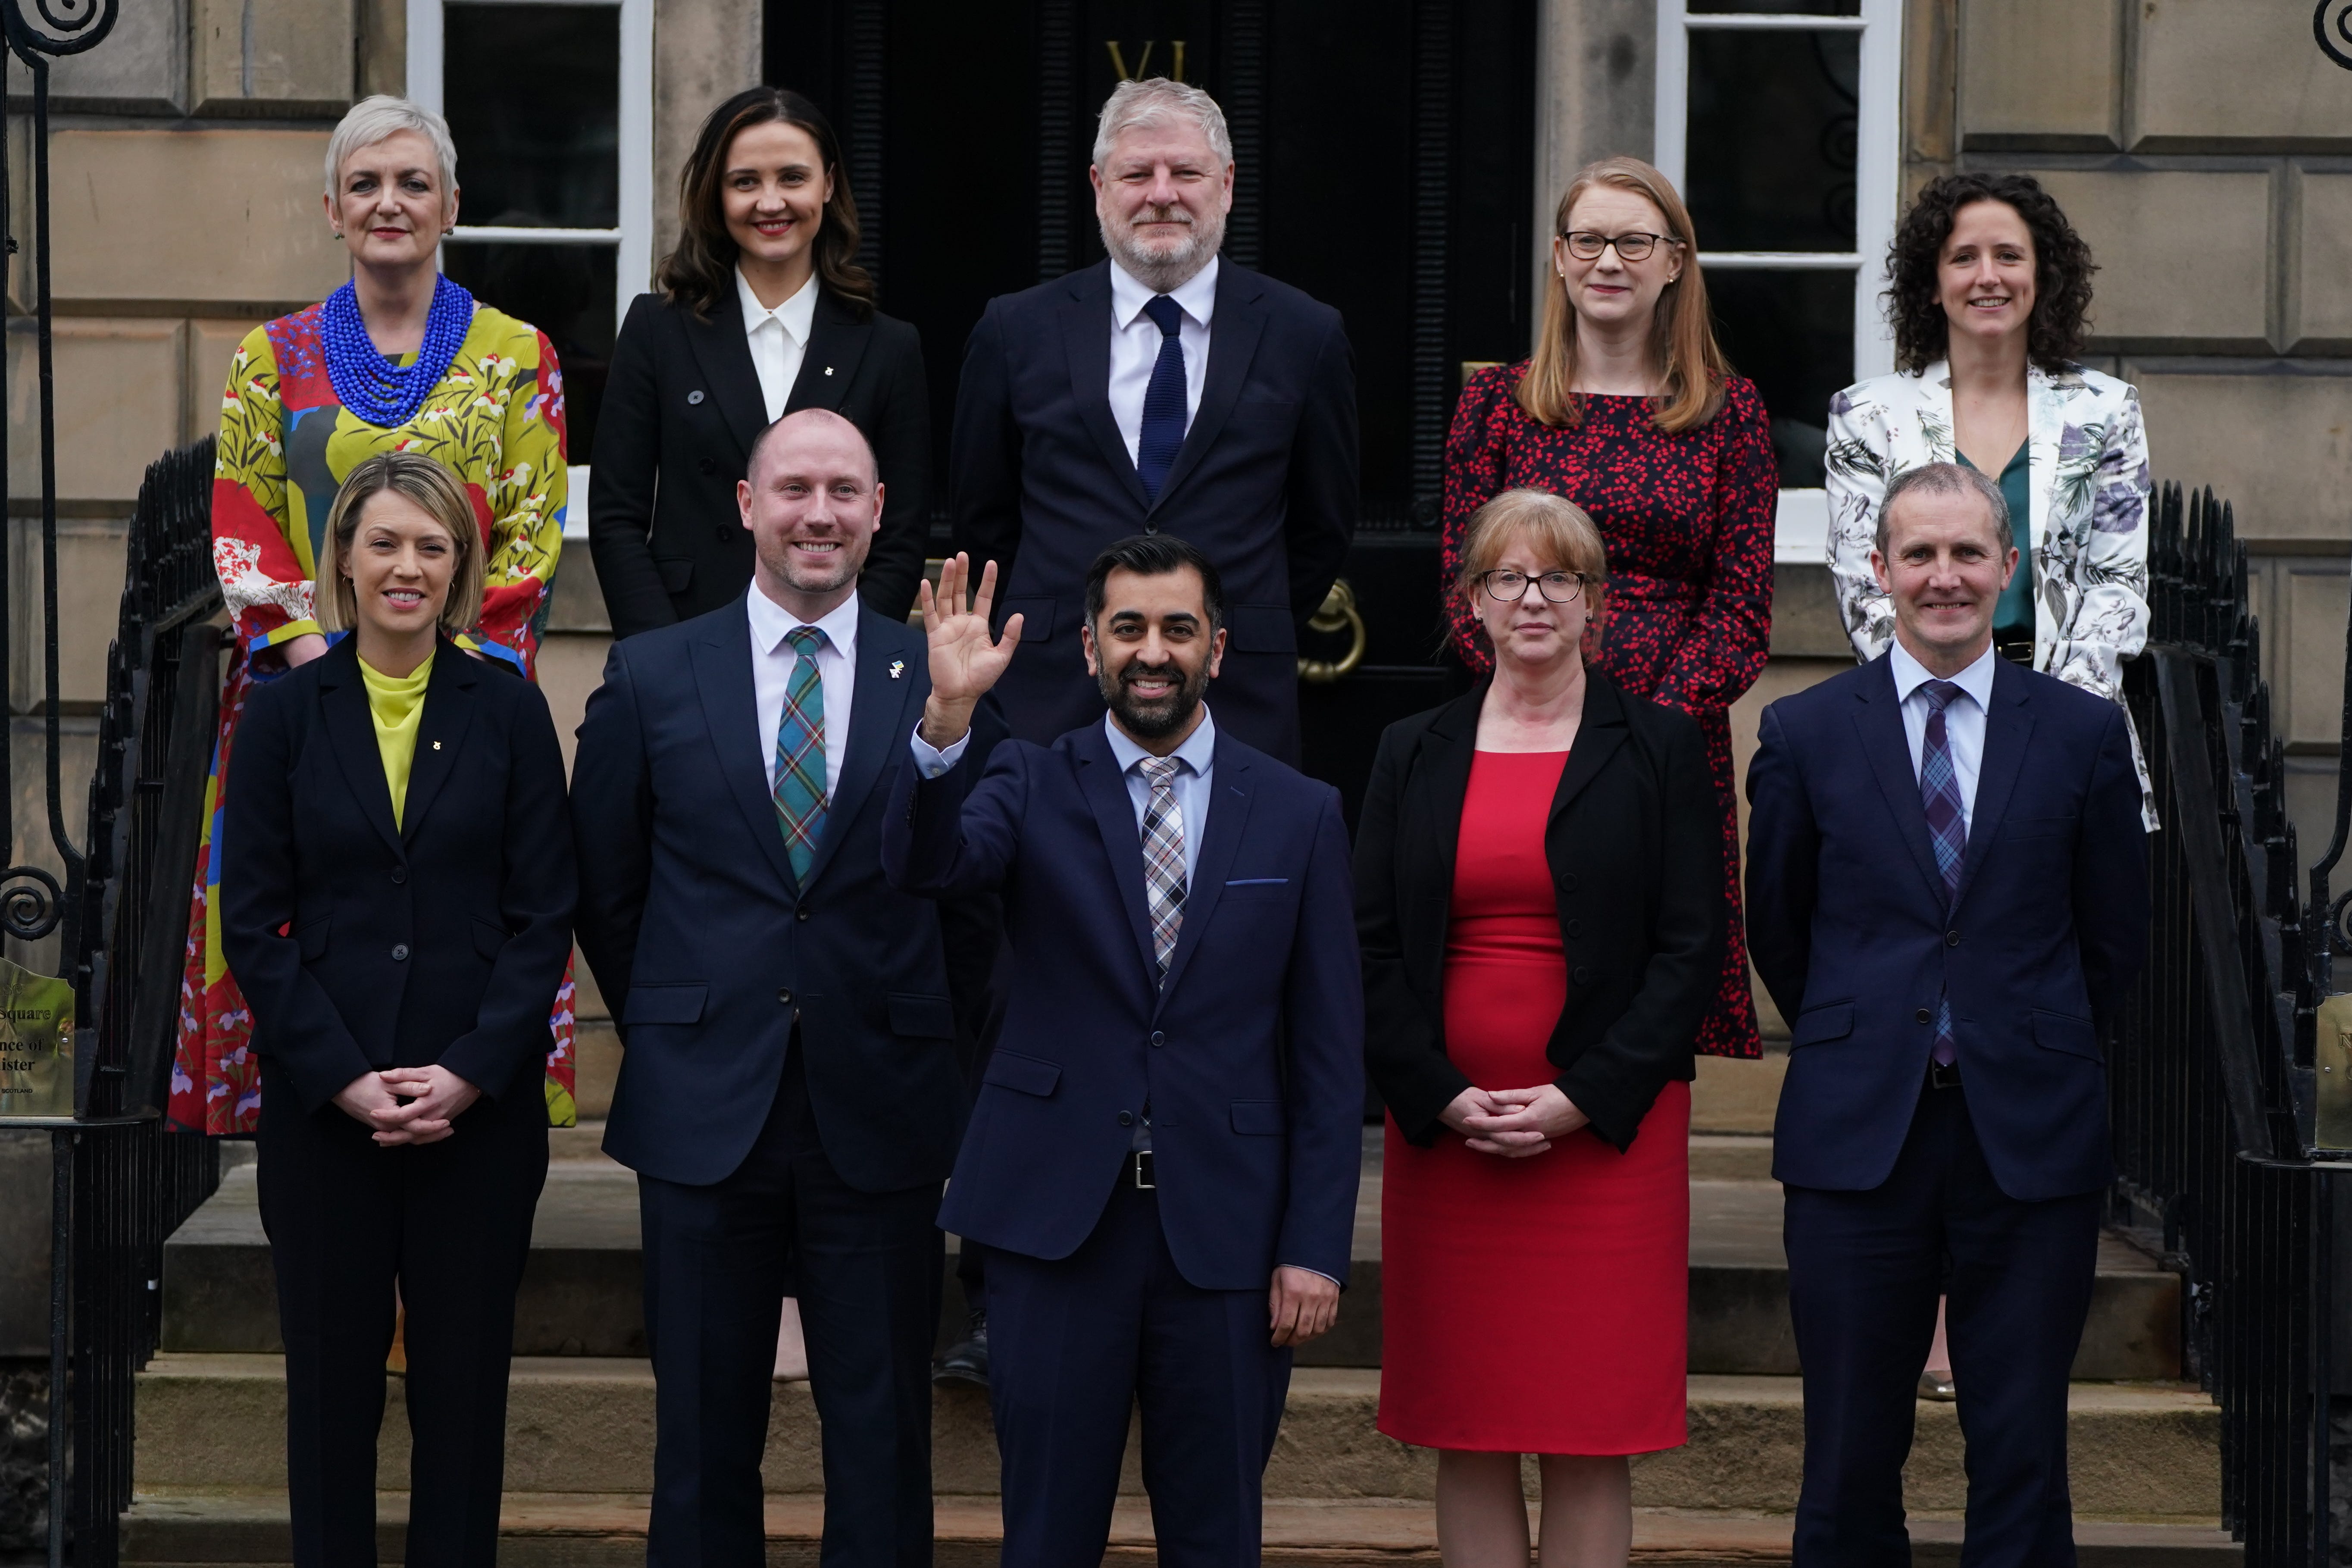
564,291
1792,333
1773,125
1776,8
533,100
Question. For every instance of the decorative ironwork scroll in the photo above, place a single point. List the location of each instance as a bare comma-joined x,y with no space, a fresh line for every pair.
2331,24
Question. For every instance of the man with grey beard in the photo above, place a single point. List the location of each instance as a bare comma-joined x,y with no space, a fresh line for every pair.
1163,390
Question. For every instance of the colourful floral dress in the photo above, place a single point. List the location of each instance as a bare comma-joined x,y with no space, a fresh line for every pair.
287,443
1687,520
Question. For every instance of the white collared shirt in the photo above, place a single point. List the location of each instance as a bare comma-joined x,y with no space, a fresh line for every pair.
1964,717
1135,343
1197,762
779,338
772,659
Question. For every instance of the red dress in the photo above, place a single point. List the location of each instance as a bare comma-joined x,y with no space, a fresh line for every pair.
1687,521
1534,1306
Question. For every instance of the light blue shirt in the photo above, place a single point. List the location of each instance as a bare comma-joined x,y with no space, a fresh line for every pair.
1964,717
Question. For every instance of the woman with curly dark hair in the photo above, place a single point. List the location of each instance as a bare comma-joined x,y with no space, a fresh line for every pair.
1989,288
762,310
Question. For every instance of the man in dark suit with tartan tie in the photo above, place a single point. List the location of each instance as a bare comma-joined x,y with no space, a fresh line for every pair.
1948,895
792,1084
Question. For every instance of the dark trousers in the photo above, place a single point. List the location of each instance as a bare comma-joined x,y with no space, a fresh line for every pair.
1076,1345
449,1224
1864,1269
865,1272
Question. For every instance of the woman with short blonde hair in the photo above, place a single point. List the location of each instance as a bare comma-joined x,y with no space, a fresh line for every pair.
1539,905
1628,409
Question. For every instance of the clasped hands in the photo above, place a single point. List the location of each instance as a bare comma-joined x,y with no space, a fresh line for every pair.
407,1105
1513,1122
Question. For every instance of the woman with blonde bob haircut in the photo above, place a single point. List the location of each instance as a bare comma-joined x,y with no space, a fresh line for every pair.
1540,909
1628,409
398,910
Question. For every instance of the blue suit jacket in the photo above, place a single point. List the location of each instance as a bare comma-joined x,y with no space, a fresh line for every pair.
708,950
1250,1056
1851,931
1265,484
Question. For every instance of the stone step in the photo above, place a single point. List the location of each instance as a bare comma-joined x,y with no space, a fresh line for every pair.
579,1529
581,1291
586,1424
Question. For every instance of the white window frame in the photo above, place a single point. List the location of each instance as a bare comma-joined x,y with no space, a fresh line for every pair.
1801,530
633,237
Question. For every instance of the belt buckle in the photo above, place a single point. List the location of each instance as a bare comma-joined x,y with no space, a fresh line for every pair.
1943,1075
1142,1171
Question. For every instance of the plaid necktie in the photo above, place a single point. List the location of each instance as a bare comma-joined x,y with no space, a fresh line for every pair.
1163,855
799,788
1948,829
1162,431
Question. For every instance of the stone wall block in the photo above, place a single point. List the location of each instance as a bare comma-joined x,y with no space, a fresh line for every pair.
89,601
2275,443
2184,255
2322,320
212,344
142,67
2039,73
2246,76
703,54
2313,638
273,57
247,228
119,404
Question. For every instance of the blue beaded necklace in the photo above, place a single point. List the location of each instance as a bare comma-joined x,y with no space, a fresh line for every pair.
374,387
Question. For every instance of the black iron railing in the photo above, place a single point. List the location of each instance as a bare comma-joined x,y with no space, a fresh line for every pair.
2210,1071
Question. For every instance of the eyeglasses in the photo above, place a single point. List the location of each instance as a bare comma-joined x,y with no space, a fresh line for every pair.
1510,587
1586,246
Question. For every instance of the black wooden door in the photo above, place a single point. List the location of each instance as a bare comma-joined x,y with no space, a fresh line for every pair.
1385,158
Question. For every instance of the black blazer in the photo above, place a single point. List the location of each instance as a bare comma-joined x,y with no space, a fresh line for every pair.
712,955
681,410
1265,485
1635,847
441,940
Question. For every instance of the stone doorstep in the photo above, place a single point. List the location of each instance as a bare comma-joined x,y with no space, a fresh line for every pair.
586,1424
582,1288
578,1530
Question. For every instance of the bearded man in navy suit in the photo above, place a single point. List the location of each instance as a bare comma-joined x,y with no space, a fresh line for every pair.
1946,895
1163,390
1162,1160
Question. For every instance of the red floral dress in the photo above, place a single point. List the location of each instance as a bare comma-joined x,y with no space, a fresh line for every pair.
1687,520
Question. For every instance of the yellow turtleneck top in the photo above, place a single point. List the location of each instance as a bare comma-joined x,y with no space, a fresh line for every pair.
397,704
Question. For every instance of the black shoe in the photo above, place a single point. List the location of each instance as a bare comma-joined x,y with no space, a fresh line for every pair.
967,1362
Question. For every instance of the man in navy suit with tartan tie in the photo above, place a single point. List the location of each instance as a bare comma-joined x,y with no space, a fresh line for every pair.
1163,1157
1948,895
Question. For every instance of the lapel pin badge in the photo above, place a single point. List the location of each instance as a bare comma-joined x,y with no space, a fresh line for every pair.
897,667
828,370
437,746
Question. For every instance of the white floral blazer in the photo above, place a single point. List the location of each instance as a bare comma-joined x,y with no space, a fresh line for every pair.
2088,477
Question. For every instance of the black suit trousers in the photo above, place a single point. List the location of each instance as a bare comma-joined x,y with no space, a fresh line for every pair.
1864,1271
449,1224
866,1268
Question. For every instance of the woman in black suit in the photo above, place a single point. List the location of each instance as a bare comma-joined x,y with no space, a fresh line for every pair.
398,893
763,311
1540,895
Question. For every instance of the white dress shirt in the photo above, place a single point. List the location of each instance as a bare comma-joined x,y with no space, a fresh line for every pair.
779,339
772,659
1135,343
1197,755
1964,717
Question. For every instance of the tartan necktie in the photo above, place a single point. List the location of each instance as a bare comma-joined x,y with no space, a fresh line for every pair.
1162,431
1163,855
799,787
1948,828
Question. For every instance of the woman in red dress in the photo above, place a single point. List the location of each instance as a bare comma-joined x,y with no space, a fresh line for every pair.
1628,409
1540,904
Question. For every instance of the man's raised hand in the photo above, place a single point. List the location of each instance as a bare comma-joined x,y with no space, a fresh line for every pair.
965,660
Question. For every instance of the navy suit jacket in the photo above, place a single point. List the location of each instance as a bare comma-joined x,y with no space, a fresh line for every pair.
1265,485
1250,1056
708,950
440,941
1851,933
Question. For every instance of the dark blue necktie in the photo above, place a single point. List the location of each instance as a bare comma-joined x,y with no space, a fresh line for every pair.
1948,829
1163,399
